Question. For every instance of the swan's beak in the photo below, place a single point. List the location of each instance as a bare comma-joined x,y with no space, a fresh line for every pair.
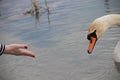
91,44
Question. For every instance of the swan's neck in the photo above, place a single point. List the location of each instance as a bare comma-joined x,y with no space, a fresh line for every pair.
107,22
110,20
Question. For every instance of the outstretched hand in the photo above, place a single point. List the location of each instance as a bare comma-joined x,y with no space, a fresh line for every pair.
18,50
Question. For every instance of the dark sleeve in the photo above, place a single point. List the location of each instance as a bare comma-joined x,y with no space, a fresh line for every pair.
2,48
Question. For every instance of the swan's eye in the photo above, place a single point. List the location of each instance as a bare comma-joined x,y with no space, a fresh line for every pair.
92,35
89,37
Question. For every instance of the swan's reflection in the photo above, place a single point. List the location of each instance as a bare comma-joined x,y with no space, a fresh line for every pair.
116,56
117,65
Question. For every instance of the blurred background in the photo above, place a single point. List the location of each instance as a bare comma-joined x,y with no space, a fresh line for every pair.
57,34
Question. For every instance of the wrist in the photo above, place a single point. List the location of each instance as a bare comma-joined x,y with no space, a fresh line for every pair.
2,49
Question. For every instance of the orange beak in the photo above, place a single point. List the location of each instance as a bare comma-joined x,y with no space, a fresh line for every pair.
92,44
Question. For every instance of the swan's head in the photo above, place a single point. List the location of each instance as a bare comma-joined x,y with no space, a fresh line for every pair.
94,33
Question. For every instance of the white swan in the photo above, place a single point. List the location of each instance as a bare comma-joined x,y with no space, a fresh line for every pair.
98,27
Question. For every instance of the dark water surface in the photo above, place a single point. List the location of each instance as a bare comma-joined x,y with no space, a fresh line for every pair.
61,45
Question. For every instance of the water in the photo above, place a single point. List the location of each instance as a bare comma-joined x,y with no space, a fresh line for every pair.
61,45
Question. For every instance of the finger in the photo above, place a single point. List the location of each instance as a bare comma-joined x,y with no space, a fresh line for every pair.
26,52
24,46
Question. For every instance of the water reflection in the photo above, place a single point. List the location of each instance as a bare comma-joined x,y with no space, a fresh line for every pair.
47,8
107,6
36,11
110,9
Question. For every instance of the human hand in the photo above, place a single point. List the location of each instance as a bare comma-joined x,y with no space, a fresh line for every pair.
18,50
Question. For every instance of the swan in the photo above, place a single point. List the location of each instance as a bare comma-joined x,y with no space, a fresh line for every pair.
97,29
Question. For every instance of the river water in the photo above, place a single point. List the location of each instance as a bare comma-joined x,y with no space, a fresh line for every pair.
58,39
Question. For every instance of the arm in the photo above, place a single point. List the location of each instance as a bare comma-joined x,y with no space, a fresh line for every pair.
16,49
